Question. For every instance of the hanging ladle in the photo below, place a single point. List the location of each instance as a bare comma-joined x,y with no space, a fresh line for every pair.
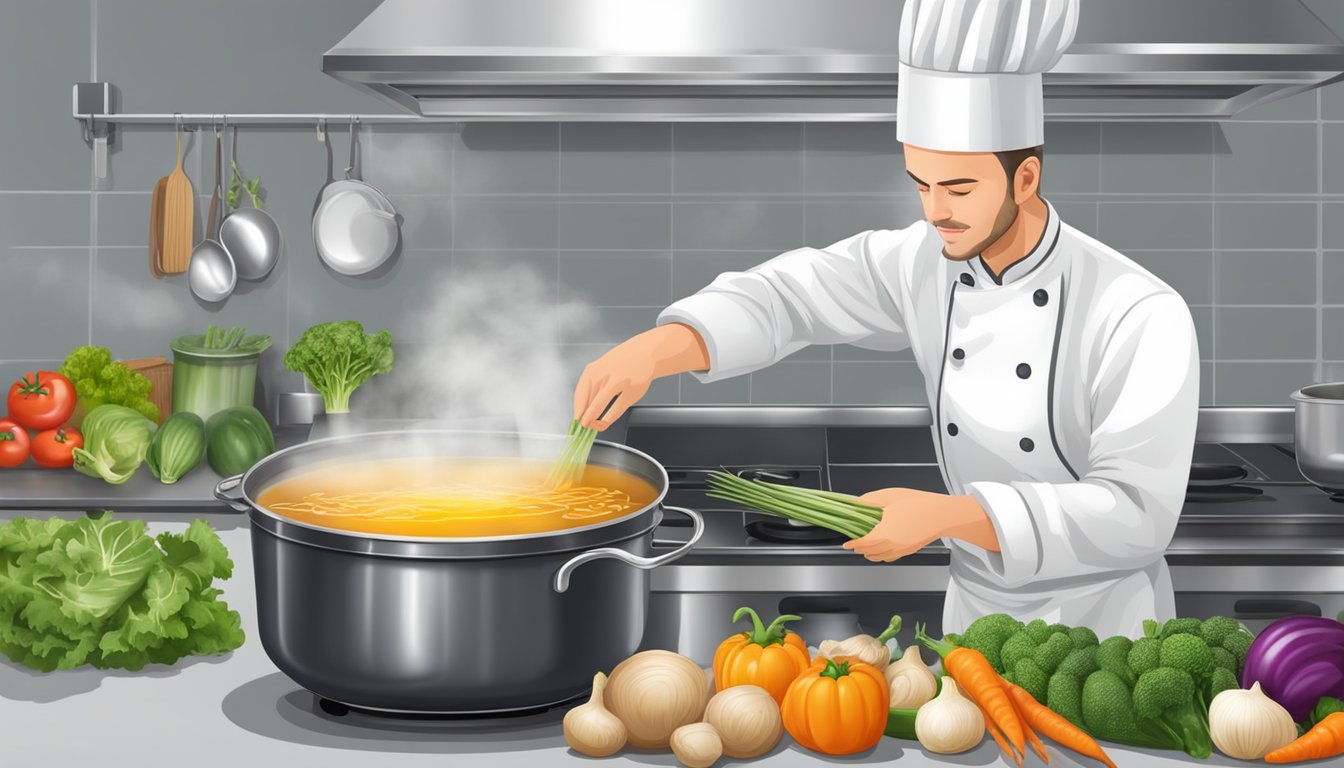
250,235
211,274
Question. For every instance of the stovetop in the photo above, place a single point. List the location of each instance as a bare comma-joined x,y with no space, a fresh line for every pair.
1240,492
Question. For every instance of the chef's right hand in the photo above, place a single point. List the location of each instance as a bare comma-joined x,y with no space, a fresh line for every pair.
626,371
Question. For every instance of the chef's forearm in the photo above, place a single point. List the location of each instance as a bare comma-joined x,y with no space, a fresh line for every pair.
968,521
677,348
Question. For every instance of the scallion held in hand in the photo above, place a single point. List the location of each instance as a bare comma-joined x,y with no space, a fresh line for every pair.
568,468
836,511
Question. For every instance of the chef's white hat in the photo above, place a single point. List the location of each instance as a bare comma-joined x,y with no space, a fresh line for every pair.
970,71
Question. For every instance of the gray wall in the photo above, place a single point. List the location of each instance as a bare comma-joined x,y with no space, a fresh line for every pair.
1244,217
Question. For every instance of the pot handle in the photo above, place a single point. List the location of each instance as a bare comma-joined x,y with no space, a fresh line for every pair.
228,491
562,575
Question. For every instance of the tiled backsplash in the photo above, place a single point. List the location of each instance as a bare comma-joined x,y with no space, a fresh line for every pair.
1244,217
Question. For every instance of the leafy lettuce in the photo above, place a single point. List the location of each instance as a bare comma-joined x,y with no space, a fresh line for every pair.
103,592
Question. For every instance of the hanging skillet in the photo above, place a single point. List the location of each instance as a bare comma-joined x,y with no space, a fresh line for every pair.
355,228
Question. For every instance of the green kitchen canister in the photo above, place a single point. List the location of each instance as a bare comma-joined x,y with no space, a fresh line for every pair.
215,370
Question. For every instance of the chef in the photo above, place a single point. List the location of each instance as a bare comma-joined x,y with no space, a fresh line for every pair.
1063,378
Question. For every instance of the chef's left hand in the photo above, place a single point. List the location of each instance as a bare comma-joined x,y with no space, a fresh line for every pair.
912,519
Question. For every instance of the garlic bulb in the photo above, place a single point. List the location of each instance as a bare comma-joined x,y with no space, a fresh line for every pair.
1247,724
950,723
747,719
911,683
654,693
590,729
697,745
865,648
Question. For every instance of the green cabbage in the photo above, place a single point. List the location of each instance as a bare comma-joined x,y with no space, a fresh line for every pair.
103,592
115,441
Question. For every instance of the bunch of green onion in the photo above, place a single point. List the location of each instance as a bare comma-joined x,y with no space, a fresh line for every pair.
839,512
568,468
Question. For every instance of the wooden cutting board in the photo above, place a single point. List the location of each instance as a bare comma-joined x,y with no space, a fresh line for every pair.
179,216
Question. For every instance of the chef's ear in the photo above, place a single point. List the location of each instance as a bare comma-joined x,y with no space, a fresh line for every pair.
1027,179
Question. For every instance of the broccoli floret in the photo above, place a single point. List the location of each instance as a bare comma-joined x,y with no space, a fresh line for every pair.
1039,630
1031,678
1188,653
1064,695
1021,645
337,358
1215,629
953,638
1179,626
1221,680
1080,663
1108,713
1145,655
1059,629
1083,637
987,635
1167,694
1112,655
1050,654
1223,658
1238,643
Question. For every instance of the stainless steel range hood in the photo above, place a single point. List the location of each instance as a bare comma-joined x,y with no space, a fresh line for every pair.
825,60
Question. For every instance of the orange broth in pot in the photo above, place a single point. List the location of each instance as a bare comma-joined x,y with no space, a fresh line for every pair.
453,497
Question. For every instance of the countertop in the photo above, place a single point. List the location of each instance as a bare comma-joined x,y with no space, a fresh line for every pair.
239,709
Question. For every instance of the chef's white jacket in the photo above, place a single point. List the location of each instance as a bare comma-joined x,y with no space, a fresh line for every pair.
1064,393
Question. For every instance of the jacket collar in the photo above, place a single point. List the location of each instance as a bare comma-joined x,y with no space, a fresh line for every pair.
1018,270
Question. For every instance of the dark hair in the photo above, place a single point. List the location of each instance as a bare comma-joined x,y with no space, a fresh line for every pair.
1012,159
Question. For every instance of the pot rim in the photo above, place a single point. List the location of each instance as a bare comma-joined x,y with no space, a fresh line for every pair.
1304,396
316,445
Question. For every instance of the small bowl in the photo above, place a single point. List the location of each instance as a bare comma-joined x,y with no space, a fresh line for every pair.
299,407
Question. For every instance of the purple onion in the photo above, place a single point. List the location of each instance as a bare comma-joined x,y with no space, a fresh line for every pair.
1297,660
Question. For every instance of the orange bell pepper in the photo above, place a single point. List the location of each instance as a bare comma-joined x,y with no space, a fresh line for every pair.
837,706
770,657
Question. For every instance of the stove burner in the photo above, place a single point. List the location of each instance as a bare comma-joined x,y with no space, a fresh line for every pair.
1215,474
781,532
1217,493
337,709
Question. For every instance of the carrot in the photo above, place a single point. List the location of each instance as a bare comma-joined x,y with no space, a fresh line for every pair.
1325,739
1032,738
1055,725
977,678
998,739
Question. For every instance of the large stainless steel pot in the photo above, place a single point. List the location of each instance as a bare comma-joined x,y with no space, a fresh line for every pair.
1318,434
415,624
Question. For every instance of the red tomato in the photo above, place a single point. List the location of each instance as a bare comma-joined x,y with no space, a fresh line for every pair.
43,400
55,448
13,444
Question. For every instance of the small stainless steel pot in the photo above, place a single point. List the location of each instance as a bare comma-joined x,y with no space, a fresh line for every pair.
1318,434
449,625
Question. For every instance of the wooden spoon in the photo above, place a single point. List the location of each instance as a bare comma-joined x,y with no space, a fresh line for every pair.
179,213
156,228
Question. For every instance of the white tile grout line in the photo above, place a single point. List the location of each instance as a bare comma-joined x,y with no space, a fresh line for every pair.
1213,276
559,185
93,178
672,217
1320,242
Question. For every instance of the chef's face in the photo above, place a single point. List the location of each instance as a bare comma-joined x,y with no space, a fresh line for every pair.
966,196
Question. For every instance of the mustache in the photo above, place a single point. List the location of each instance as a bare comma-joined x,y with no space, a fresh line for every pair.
950,224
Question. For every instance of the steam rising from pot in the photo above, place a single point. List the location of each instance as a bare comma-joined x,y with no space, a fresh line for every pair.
487,354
